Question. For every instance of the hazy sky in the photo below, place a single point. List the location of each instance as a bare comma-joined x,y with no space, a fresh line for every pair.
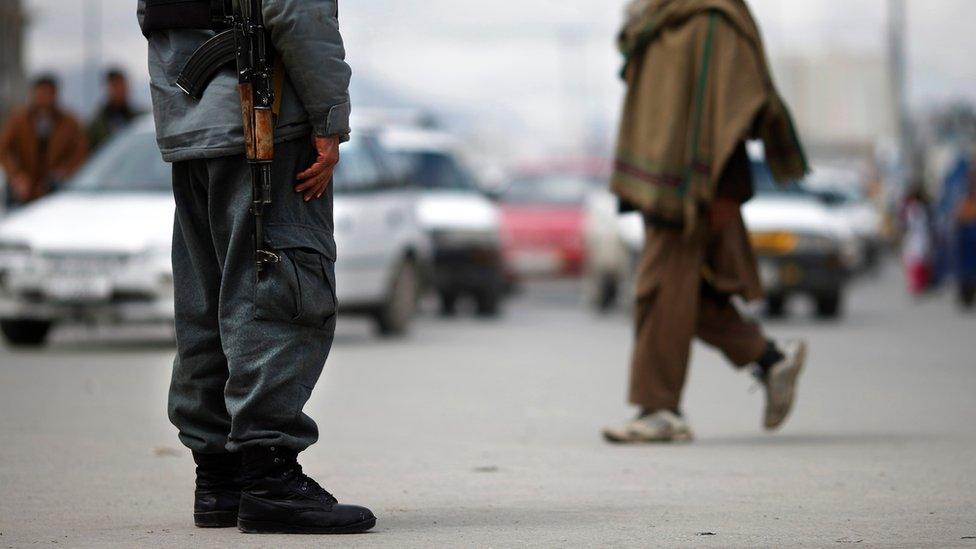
537,62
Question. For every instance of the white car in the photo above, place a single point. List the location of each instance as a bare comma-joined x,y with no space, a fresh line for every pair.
99,251
464,225
843,190
613,243
802,246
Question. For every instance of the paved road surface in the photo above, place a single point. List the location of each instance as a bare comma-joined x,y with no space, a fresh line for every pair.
483,434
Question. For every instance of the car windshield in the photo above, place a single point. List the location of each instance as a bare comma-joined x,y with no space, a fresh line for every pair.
763,182
844,187
359,169
765,185
133,163
129,163
433,170
557,189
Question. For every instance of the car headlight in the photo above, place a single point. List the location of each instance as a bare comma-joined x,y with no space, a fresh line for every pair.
817,244
779,243
14,257
156,262
788,242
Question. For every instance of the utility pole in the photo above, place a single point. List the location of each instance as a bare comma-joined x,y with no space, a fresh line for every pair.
898,75
12,78
92,28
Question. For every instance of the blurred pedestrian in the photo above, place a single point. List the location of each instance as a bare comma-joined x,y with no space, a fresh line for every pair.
41,145
115,113
965,240
918,243
255,316
698,87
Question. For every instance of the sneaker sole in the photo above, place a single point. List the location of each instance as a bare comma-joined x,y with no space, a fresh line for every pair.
801,359
678,438
263,527
215,519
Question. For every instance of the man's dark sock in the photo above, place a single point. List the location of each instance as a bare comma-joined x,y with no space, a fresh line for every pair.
770,357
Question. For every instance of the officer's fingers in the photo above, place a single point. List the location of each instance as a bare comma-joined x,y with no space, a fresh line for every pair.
306,184
314,192
322,163
312,171
318,189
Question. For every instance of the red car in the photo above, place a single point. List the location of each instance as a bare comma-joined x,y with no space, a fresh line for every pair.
542,223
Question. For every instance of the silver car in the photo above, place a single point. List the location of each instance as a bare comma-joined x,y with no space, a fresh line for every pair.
99,251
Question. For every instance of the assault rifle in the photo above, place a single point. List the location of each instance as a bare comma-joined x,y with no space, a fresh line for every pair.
246,45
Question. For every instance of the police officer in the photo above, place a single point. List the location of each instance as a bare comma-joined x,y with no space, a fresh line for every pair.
251,348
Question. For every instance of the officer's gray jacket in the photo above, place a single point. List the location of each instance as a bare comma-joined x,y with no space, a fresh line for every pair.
315,95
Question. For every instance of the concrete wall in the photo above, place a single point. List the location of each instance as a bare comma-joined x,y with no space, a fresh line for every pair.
842,102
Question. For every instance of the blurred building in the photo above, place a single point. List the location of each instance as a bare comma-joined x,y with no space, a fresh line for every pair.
843,102
12,80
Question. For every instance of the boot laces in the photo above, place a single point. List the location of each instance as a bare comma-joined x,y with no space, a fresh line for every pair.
307,484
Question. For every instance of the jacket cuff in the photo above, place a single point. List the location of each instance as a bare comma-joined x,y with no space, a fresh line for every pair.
336,122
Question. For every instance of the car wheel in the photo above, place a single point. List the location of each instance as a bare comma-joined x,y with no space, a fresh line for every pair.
608,295
25,333
776,306
488,303
829,305
448,301
393,317
967,295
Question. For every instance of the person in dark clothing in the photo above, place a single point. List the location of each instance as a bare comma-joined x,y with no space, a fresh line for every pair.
252,343
116,113
41,145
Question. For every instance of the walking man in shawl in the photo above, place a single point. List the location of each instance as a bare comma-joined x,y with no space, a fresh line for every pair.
698,89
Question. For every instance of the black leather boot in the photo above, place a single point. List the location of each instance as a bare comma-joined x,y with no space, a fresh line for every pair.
279,499
218,492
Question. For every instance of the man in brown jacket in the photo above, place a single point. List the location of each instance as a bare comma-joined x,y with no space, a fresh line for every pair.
41,145
697,88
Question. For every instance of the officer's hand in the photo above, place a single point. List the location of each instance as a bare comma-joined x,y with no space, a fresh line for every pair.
315,180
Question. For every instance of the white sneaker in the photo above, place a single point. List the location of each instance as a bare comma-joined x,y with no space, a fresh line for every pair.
661,426
781,384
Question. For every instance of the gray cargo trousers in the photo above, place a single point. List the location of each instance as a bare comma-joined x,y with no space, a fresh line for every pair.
249,349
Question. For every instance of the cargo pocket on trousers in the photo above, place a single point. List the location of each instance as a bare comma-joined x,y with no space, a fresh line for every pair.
300,287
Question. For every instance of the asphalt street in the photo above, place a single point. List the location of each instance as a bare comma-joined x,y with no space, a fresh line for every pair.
477,433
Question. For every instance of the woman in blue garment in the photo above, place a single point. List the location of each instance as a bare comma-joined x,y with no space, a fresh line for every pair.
965,222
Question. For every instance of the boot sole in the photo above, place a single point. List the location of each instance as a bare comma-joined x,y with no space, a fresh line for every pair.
264,527
215,519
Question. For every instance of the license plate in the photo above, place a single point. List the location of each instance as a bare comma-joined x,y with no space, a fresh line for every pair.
792,274
769,274
537,263
78,288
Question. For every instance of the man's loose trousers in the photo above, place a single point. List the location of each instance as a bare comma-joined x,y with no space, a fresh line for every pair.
684,286
249,348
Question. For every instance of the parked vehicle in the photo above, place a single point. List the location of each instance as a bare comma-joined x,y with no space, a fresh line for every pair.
463,224
613,243
383,248
99,251
803,248
542,223
843,192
